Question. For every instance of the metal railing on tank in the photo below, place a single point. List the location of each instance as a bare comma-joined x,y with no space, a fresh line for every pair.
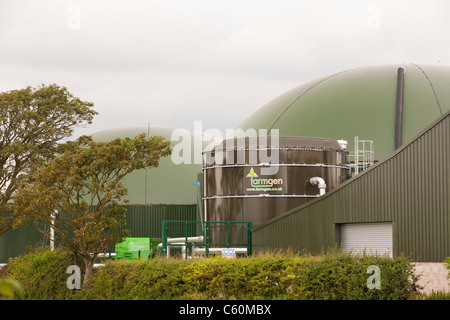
195,246
362,157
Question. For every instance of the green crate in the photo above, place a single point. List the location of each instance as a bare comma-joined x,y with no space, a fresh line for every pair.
137,248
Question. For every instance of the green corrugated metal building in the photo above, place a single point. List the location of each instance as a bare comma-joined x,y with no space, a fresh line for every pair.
399,206
402,202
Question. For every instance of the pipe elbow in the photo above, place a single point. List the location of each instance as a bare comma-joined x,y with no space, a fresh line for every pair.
320,183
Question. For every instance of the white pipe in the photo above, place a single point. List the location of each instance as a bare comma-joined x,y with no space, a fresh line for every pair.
52,230
237,250
180,242
343,144
104,255
320,183
183,239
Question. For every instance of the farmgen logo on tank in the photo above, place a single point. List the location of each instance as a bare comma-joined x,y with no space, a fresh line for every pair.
263,184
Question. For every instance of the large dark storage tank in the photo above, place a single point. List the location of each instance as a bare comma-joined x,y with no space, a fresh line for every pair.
239,184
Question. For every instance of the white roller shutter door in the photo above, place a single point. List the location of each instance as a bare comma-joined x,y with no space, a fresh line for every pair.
371,238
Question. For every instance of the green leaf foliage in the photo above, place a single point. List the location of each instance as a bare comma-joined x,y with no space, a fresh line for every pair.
40,274
84,185
11,289
33,121
330,276
333,276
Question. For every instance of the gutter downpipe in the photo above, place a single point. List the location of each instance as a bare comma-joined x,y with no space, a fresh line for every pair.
399,108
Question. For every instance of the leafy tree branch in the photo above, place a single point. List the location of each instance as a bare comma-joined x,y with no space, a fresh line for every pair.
84,185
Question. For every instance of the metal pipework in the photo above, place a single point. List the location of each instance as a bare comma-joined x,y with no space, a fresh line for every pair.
182,241
320,183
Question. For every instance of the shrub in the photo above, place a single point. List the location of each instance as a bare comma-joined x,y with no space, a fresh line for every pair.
447,266
332,276
342,276
136,280
41,273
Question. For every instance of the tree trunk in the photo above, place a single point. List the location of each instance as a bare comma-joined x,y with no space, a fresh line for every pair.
89,268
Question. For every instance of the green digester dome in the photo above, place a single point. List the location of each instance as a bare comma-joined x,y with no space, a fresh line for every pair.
169,183
359,102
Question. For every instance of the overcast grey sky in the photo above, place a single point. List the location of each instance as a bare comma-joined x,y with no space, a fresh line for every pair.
173,62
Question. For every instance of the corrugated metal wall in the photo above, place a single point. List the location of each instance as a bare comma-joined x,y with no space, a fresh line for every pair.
142,220
146,220
410,188
15,242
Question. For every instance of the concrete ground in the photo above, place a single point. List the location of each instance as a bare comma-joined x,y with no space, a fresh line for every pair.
433,276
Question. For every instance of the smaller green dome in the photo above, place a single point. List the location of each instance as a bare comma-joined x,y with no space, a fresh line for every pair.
169,183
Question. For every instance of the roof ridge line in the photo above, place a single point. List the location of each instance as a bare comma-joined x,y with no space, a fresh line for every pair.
432,87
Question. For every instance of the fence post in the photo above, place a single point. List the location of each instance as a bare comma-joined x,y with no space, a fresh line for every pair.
228,234
186,240
249,238
164,237
207,239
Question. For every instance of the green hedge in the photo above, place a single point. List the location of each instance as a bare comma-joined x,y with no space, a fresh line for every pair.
41,273
337,276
